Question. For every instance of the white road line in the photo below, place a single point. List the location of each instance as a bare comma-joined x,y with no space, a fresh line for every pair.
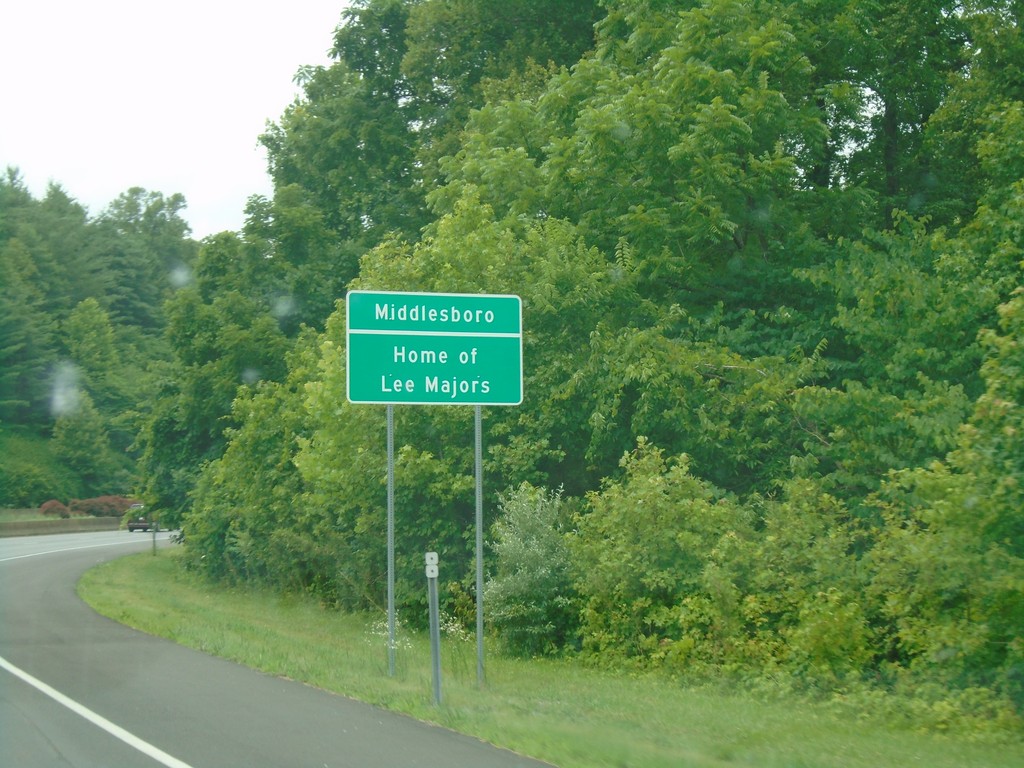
72,549
114,730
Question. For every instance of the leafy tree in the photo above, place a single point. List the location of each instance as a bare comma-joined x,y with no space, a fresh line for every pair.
80,439
26,338
748,265
353,159
787,595
955,526
640,552
346,151
343,474
530,600
455,49
243,523
908,56
680,148
143,238
221,340
289,257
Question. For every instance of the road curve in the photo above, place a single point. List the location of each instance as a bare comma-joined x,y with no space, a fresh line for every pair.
79,690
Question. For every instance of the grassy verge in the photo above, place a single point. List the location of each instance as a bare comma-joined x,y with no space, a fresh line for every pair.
553,710
21,515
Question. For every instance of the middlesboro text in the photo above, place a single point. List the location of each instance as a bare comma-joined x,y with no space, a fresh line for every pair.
420,313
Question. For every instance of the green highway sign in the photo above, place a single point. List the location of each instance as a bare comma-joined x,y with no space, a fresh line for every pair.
434,348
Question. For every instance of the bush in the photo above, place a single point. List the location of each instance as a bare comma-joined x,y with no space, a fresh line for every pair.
54,508
530,601
640,554
29,472
101,506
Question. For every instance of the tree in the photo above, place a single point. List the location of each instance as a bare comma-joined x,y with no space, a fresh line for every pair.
144,241
909,55
245,523
530,598
952,563
640,553
222,340
80,439
354,158
26,338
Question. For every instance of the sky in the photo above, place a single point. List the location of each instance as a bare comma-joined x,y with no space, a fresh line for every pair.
100,96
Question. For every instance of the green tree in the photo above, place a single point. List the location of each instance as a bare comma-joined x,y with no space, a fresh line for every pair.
951,563
144,241
245,523
81,440
26,338
907,58
530,599
353,159
640,552
221,340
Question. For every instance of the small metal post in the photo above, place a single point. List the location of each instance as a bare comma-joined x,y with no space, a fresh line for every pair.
435,624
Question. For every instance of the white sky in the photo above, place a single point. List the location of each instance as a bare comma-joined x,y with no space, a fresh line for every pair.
103,95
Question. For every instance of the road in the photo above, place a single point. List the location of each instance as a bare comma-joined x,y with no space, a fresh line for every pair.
79,690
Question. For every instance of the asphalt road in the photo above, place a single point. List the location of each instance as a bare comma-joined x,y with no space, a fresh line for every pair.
79,690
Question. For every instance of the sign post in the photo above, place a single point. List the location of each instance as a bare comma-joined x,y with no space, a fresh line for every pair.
434,349
435,623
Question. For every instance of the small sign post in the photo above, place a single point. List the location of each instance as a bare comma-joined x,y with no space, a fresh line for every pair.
435,623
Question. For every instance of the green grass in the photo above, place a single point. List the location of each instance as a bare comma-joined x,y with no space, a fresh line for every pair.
557,711
21,515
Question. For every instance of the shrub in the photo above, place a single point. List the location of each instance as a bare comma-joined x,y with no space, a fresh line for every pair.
101,506
54,508
640,553
530,601
29,471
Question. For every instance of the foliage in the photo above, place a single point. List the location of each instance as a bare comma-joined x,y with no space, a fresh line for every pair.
223,340
54,507
30,471
952,568
81,441
101,506
768,254
241,524
640,550
747,265
530,600
80,320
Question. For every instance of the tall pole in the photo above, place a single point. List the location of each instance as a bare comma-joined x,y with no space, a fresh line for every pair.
479,548
391,540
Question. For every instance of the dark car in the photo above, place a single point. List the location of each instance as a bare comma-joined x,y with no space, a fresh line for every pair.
138,520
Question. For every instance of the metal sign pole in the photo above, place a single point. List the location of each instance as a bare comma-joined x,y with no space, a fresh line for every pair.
479,547
391,540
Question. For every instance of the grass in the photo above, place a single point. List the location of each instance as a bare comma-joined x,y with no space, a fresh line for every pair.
21,515
557,711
